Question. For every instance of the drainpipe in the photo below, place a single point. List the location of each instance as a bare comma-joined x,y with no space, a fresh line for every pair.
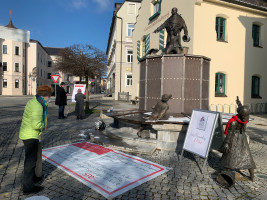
121,49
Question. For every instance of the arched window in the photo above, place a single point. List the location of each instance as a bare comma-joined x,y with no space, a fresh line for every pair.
220,28
220,84
255,88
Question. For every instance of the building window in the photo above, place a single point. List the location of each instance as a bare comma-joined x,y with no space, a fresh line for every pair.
16,67
4,66
220,28
130,28
156,8
16,50
128,79
49,63
23,69
4,83
255,90
256,35
129,56
48,75
23,52
16,83
4,49
220,84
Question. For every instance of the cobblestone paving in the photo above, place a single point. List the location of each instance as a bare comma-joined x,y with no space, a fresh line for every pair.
183,181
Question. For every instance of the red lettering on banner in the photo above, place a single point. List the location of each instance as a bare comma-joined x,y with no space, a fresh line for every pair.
196,140
92,148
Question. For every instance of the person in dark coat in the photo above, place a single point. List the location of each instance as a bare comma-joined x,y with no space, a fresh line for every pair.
79,108
235,148
61,100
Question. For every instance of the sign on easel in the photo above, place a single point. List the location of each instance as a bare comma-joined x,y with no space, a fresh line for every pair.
75,90
200,133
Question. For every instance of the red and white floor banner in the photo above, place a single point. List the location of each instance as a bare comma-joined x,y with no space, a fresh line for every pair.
107,171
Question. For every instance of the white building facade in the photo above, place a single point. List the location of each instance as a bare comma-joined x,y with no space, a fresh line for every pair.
120,48
26,64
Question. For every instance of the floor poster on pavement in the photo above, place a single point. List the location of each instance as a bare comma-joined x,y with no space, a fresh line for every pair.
107,171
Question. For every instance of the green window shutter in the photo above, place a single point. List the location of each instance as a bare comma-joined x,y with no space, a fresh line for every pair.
220,28
138,49
161,39
220,83
147,44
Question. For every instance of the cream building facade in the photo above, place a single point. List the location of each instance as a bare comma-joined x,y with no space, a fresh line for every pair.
26,64
230,33
120,49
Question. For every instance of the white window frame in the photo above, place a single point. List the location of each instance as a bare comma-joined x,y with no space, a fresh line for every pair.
5,80
126,79
15,67
16,47
5,52
16,81
128,28
3,66
131,55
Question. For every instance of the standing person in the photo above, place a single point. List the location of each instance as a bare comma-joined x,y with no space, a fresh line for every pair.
34,121
61,100
79,108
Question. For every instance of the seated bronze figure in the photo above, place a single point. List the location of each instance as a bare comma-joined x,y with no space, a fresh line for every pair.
160,109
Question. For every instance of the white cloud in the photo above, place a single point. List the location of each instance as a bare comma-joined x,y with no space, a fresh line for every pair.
71,5
78,4
103,4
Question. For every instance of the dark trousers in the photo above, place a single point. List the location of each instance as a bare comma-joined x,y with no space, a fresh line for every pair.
31,149
61,112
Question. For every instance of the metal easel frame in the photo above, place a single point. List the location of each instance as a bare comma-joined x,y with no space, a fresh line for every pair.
218,119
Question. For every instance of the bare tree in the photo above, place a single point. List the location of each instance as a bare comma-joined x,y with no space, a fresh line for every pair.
83,61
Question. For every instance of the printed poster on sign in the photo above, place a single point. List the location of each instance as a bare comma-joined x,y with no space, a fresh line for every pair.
105,170
200,131
202,122
75,90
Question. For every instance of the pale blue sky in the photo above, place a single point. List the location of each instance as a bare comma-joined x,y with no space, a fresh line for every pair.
61,23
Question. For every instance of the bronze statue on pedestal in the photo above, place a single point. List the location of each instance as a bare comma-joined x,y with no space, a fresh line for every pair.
174,25
235,148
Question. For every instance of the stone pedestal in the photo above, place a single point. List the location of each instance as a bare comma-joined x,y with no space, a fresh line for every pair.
170,137
184,76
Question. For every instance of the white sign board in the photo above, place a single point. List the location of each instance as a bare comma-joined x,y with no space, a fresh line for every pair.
107,171
200,132
75,90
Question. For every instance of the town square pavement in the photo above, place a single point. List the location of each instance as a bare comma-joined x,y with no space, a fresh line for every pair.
183,181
